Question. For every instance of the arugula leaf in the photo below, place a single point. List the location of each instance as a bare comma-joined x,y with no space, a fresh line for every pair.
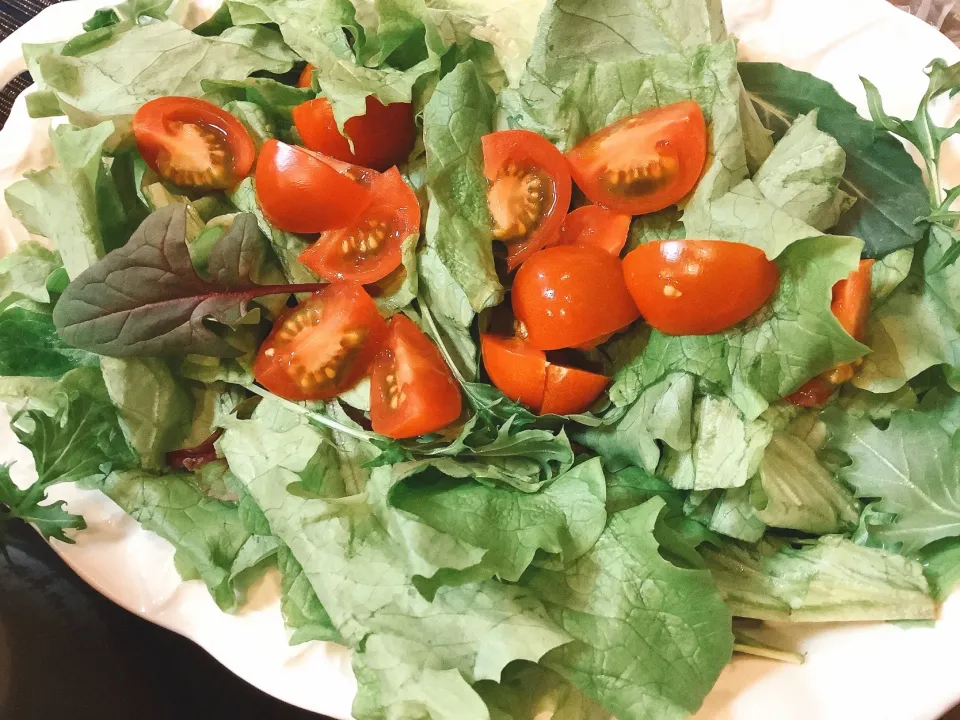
71,188
457,273
601,601
29,345
793,338
912,468
135,64
566,518
147,299
880,174
51,520
832,580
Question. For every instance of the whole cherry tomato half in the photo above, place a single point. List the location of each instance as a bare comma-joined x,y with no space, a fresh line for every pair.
369,249
298,191
645,162
193,143
412,391
698,287
851,306
523,374
568,295
529,191
382,137
323,346
596,226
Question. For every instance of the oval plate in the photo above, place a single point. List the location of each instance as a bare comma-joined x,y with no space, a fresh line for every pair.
876,671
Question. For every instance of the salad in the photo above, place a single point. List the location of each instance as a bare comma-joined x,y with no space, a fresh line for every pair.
546,351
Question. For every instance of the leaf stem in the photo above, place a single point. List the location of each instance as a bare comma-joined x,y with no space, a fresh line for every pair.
319,418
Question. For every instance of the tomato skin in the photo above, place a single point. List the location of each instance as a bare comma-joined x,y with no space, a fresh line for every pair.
523,374
306,77
392,216
155,129
569,390
668,147
698,287
516,368
568,295
382,138
536,156
412,391
299,192
851,306
595,225
339,321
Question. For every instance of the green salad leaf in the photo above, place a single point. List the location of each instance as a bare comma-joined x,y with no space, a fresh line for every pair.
30,346
52,519
24,273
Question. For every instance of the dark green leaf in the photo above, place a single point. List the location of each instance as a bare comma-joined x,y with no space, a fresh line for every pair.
29,345
104,17
51,520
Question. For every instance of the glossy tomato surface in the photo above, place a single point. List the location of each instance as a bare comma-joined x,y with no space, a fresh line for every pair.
412,391
323,346
370,248
382,137
644,162
193,143
528,193
596,226
299,192
523,374
516,368
568,295
698,287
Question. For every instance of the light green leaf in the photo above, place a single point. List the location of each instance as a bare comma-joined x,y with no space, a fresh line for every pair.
302,610
532,691
833,580
24,272
734,513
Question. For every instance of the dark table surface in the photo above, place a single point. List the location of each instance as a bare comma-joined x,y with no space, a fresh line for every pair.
68,652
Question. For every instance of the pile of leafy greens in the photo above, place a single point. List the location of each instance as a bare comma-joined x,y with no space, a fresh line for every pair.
588,566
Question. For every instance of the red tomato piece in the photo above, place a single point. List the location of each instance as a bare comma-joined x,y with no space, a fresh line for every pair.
698,287
382,137
523,374
518,369
193,143
596,226
369,249
851,306
567,296
323,346
412,391
300,192
569,390
529,191
645,162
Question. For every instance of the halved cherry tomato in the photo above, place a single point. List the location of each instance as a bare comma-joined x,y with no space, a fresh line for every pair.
645,162
518,369
523,374
306,77
850,304
569,295
300,192
595,225
698,287
323,346
529,191
412,391
369,249
382,138
192,143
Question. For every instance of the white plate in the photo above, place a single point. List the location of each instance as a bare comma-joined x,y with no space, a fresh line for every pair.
882,672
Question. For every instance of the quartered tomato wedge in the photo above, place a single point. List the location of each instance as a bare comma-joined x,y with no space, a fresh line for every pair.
298,191
596,226
523,374
323,346
382,138
412,391
698,287
851,306
193,143
529,191
567,296
645,162
369,249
